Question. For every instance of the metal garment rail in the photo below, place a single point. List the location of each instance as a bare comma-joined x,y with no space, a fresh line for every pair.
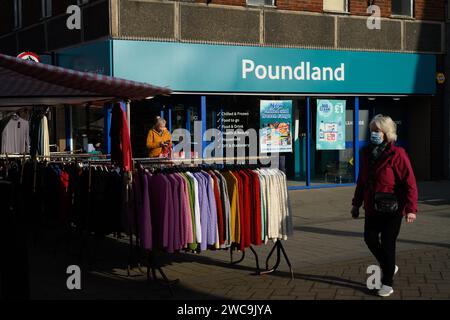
14,156
61,158
152,258
280,249
215,160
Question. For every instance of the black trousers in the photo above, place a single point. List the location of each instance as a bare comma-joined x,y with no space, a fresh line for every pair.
380,234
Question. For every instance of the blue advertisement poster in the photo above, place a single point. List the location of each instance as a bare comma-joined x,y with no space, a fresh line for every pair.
330,125
275,134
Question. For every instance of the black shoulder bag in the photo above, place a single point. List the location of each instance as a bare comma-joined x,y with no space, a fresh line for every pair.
383,202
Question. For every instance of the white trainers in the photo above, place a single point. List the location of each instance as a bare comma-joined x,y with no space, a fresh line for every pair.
385,291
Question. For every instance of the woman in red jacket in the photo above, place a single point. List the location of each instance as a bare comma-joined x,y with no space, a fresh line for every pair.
387,186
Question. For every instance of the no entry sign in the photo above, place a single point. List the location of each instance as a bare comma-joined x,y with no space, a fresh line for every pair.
31,56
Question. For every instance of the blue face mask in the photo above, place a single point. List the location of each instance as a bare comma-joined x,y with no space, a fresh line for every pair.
375,138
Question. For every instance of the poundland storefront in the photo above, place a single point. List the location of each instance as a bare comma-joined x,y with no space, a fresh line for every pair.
309,100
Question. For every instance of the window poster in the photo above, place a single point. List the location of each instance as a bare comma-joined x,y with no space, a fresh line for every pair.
330,129
275,134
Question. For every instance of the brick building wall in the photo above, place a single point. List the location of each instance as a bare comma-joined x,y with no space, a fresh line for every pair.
430,10
423,9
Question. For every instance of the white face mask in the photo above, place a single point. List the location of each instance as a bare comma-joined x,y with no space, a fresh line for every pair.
376,138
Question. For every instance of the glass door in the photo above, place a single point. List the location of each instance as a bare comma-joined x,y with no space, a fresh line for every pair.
331,142
296,161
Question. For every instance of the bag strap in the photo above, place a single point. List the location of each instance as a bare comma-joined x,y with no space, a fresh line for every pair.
372,166
371,171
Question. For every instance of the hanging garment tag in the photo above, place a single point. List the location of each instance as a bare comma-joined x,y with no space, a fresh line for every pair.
18,124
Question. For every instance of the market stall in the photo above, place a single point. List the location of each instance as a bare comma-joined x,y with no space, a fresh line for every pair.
31,88
162,205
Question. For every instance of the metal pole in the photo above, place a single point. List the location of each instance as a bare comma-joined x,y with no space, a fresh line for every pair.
128,116
356,138
221,132
203,115
68,127
170,119
107,128
308,146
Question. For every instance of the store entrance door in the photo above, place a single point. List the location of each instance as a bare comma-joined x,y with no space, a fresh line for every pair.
295,163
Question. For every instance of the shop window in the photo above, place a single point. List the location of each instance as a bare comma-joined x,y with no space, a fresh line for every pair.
17,14
335,5
261,2
46,8
88,128
402,8
332,141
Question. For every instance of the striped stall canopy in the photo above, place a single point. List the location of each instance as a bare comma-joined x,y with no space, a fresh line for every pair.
24,82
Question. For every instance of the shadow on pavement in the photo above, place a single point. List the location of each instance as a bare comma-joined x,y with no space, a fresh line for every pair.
332,280
341,233
435,202
104,281
103,274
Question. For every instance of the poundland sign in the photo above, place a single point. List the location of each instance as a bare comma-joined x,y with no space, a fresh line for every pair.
203,68
303,71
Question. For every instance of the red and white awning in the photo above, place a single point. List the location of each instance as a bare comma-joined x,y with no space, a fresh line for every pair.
24,82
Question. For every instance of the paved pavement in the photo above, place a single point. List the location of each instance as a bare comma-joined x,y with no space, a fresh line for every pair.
327,252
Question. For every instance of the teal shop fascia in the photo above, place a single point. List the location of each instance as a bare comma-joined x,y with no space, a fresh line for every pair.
206,68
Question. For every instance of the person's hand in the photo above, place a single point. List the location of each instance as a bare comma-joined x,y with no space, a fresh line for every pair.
355,212
162,144
411,217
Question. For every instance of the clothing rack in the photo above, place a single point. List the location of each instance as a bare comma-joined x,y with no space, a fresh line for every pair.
57,159
152,264
60,158
54,156
200,161
74,156
14,156
152,258
280,249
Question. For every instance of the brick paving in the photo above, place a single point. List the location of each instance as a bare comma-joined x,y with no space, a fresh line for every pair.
327,252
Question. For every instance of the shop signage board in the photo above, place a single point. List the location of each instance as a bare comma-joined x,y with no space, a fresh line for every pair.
201,68
330,126
275,134
93,57
234,125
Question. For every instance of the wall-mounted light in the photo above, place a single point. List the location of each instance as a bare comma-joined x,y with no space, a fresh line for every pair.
371,99
396,99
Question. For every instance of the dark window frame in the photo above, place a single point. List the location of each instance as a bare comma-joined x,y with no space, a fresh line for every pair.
411,8
273,3
346,9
